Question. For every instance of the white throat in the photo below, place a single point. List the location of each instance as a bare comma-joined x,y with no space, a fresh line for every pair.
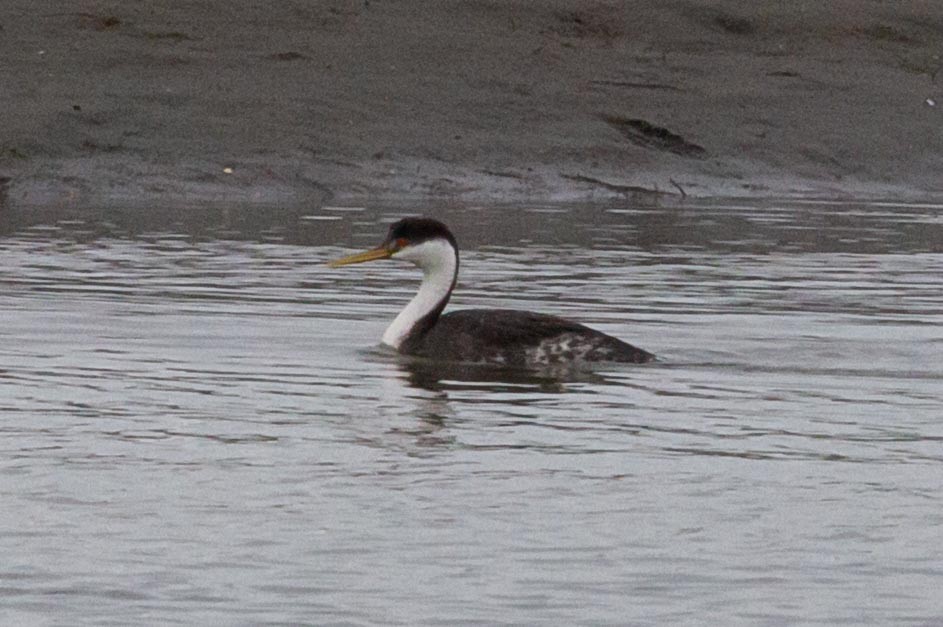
438,262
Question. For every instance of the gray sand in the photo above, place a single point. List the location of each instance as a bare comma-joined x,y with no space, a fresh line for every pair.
298,102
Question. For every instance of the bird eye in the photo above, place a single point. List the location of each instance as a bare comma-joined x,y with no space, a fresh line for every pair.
401,243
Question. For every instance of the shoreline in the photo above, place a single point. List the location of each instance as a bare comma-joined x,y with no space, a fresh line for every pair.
473,101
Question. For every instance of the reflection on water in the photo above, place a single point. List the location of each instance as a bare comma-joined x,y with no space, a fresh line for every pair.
196,425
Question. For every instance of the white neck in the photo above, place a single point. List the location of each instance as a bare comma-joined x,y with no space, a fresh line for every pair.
439,264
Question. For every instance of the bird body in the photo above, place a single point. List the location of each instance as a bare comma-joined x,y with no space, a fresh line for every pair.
517,338
487,336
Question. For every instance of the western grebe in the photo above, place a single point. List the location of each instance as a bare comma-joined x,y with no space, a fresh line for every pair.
488,336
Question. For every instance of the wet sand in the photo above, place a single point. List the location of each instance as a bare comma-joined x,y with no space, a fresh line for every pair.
300,103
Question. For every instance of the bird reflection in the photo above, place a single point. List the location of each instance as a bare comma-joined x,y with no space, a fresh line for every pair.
440,377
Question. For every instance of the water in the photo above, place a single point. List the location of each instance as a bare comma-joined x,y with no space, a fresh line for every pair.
197,428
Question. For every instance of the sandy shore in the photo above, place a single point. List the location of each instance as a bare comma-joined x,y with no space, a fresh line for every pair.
301,102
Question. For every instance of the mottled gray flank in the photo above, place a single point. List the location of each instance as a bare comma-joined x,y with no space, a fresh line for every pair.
520,339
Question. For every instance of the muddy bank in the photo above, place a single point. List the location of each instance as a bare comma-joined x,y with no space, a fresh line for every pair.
300,102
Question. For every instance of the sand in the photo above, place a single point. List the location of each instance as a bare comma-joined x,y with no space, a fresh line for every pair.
300,102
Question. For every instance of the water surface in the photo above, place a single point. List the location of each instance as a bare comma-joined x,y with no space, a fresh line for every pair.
197,427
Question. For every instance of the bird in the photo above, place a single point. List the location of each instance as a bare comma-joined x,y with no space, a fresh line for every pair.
498,337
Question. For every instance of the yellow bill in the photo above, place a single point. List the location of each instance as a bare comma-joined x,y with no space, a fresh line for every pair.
367,255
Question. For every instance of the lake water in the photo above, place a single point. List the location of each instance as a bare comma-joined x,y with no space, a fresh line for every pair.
197,427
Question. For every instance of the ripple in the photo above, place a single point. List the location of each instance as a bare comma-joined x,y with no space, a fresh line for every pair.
198,424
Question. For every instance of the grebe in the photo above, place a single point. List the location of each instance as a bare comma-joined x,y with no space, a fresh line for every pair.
487,336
